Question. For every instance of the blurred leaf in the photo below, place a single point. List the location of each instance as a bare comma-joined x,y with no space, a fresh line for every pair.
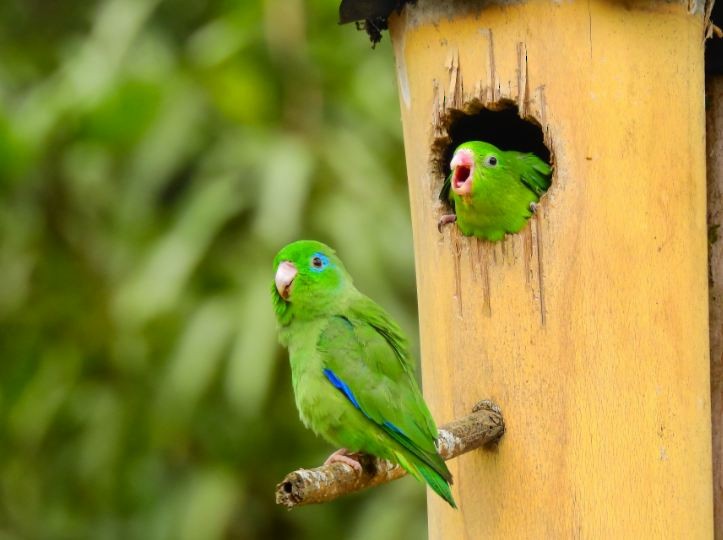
160,279
32,413
210,498
193,364
252,358
284,183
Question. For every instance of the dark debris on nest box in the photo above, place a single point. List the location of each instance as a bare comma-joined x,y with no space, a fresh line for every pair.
370,15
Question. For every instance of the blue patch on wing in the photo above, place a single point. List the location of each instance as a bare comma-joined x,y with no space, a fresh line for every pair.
393,427
341,385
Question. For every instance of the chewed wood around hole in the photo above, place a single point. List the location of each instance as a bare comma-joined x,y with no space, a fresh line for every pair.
516,234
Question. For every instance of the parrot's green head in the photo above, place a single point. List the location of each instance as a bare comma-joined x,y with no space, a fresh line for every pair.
308,280
471,163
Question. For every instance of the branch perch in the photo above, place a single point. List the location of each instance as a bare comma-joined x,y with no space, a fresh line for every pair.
483,427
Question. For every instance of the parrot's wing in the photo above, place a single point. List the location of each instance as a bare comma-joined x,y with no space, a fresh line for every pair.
367,310
444,194
370,365
534,173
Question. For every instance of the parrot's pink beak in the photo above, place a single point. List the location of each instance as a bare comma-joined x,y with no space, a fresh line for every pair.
462,166
285,274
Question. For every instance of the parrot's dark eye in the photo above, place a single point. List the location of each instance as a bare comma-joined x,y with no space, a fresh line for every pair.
491,161
319,261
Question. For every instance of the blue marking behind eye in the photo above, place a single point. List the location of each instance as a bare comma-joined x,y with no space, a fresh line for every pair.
341,385
324,261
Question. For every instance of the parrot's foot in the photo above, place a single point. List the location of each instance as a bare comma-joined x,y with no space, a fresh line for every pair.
533,207
344,456
449,218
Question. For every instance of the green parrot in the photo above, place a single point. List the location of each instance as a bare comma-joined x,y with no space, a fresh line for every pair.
492,192
351,371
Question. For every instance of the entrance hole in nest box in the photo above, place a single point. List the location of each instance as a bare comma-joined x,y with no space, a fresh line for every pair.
499,124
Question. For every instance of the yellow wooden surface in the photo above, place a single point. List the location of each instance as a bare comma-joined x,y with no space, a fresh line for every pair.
714,91
590,328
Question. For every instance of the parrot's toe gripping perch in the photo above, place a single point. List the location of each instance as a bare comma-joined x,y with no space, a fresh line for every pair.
448,218
344,456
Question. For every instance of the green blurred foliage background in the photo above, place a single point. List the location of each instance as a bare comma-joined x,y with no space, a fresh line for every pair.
154,155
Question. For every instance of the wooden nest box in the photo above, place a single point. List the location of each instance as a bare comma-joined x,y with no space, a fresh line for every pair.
589,327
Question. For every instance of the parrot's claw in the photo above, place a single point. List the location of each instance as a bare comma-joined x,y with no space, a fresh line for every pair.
449,218
344,456
533,207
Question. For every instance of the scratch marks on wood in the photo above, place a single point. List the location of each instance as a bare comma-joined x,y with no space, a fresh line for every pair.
540,268
509,255
486,287
491,69
457,251
478,92
474,268
539,214
540,91
438,127
479,269
527,253
532,241
449,101
455,90
522,87
541,100
439,131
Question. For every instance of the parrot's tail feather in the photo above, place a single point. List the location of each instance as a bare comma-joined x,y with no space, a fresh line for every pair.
425,473
437,483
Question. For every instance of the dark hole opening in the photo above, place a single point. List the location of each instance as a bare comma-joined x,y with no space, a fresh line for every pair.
502,127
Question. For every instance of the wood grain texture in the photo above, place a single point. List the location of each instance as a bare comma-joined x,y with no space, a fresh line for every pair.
714,92
590,327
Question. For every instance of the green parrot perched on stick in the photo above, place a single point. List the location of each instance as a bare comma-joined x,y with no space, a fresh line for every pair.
351,371
492,192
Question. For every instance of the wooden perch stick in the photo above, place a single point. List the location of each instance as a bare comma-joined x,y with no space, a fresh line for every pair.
328,482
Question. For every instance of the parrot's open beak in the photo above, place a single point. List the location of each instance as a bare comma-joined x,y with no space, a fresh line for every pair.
285,274
462,166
